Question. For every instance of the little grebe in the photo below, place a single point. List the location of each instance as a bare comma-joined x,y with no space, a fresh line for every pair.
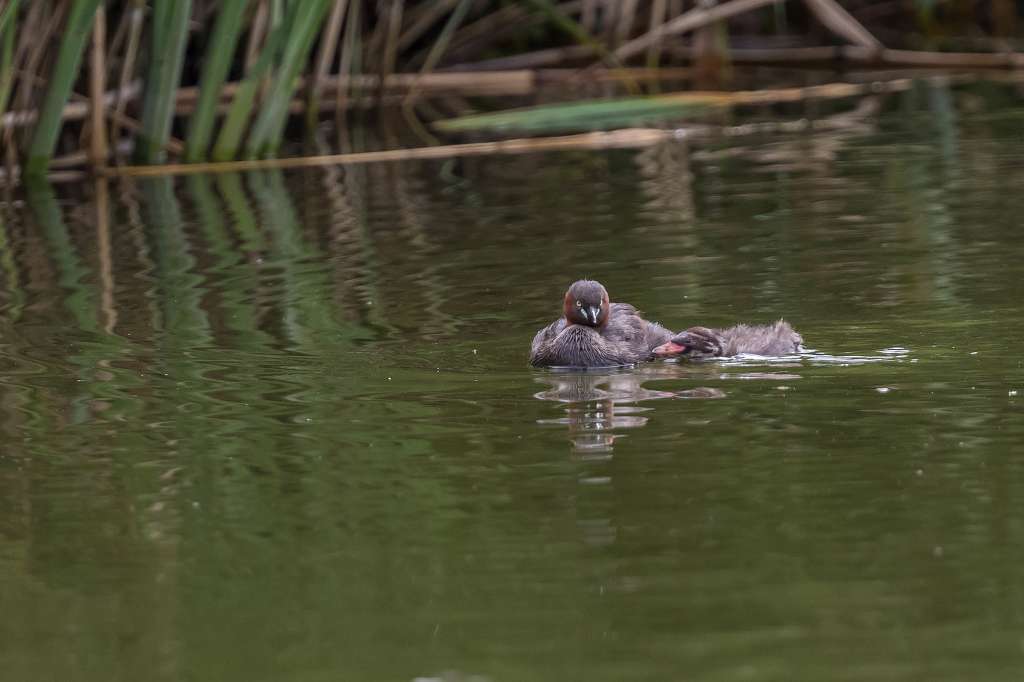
594,332
701,342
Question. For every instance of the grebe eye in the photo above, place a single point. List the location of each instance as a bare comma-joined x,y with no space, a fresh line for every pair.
579,304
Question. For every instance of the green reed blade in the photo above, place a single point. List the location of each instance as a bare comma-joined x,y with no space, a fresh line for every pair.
216,64
169,37
445,37
233,128
8,15
589,115
304,24
65,72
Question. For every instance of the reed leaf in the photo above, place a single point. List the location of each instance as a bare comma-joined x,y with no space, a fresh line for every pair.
303,25
216,64
8,15
233,128
589,115
167,51
575,30
441,44
65,72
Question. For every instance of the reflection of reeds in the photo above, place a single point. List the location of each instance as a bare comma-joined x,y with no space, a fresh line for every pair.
73,275
183,322
11,275
106,261
351,249
237,280
307,310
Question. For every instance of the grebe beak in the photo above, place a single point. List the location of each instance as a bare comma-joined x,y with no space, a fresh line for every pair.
594,313
670,349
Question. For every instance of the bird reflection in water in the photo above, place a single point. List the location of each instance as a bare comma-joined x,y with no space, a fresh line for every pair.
599,403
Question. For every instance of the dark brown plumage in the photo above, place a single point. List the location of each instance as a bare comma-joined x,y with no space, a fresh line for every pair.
700,342
594,332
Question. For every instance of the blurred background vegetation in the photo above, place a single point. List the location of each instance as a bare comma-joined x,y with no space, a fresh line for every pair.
87,83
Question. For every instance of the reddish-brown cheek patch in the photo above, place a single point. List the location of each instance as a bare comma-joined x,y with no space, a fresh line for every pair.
567,306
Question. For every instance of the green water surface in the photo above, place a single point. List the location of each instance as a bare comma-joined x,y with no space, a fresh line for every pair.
281,426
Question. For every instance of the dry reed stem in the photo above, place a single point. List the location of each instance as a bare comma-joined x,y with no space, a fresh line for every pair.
469,83
473,83
97,85
627,17
347,55
616,139
854,54
328,46
480,34
394,28
588,15
427,18
127,68
536,59
840,22
658,9
694,19
256,34
35,39
638,73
